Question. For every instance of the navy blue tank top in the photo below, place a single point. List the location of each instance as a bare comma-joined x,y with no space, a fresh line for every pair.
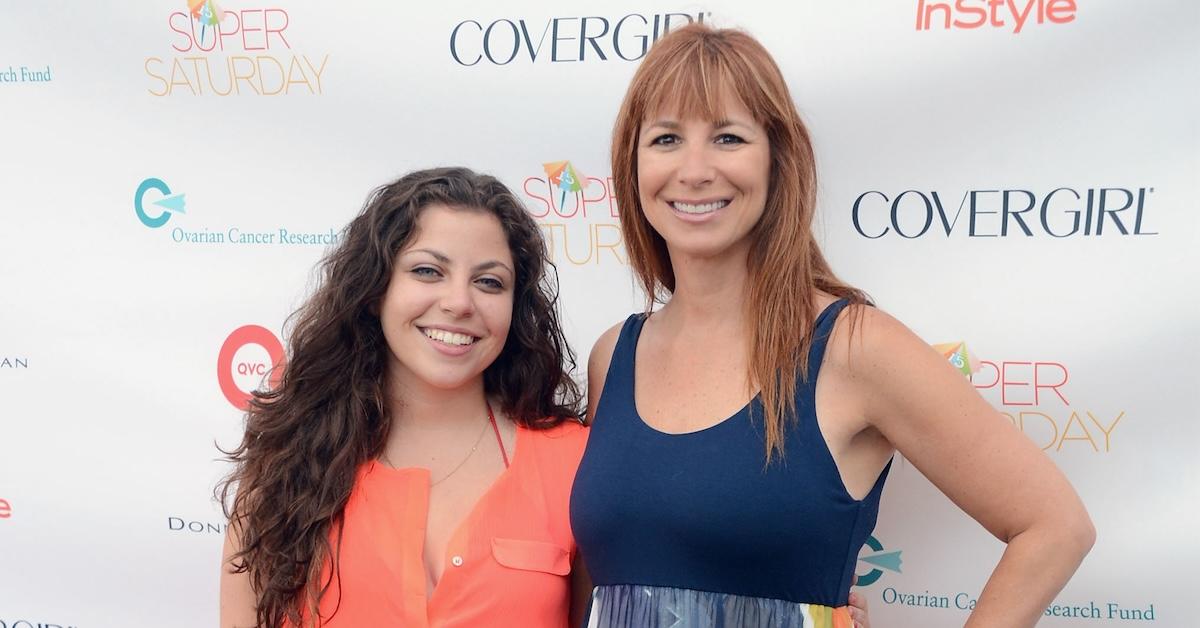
694,528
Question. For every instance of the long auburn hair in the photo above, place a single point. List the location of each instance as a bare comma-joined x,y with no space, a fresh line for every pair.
306,437
688,72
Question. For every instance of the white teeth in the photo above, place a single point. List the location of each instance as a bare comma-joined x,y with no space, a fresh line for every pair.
449,337
689,208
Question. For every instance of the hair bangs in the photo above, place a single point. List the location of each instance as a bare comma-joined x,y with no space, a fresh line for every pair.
691,82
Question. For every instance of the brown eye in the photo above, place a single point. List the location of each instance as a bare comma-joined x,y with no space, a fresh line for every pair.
491,283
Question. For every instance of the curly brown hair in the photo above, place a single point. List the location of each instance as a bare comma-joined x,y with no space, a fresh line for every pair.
307,436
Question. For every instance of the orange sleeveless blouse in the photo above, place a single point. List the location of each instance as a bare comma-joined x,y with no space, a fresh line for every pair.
507,564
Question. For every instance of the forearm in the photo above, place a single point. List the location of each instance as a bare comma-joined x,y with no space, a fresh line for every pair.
1036,565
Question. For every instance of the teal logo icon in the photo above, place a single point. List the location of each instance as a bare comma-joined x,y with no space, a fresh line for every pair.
879,560
170,203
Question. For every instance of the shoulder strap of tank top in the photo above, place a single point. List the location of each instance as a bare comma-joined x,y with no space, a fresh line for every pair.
822,329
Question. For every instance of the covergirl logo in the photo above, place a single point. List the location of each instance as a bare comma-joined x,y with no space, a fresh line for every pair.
249,355
1001,14
577,213
562,39
1059,213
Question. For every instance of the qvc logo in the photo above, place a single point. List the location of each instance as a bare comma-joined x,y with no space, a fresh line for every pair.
248,355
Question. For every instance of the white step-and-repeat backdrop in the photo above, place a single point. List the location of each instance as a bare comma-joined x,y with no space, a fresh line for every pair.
1020,176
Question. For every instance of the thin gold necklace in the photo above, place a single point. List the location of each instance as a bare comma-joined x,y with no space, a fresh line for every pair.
478,440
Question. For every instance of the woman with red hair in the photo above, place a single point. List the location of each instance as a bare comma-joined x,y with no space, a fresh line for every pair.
742,432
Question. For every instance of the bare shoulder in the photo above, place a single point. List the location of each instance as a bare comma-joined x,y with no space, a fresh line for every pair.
866,339
598,362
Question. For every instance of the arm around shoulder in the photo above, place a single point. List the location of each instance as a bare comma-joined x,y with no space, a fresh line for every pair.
936,419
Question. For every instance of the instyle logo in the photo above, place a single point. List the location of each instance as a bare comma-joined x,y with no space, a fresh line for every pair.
247,52
879,560
6,510
577,213
14,362
1002,14
1060,213
250,354
1032,395
26,75
156,192
562,39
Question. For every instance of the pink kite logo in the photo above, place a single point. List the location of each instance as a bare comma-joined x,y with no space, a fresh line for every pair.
248,355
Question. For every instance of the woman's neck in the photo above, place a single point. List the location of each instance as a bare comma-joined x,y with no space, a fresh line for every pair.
420,406
710,292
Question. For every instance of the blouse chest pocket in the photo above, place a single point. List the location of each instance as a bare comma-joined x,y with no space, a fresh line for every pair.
531,556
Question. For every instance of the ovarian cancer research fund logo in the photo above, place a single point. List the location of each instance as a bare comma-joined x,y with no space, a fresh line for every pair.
156,205
876,557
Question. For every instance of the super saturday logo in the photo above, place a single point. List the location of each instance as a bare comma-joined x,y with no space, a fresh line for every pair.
224,53
1032,394
577,213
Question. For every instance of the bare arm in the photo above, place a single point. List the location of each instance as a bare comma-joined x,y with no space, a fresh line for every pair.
237,596
936,419
598,362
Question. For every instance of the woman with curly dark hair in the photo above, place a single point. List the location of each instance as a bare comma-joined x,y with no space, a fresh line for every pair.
413,465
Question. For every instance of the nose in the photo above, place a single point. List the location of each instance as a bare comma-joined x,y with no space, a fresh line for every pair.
695,166
458,299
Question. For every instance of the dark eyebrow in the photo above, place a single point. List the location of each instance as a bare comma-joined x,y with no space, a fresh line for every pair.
441,257
488,265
